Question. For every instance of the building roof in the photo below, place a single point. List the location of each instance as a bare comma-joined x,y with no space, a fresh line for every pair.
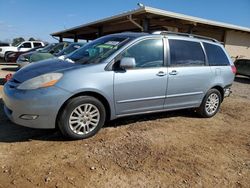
121,22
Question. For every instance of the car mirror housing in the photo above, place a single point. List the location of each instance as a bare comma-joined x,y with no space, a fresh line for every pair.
127,63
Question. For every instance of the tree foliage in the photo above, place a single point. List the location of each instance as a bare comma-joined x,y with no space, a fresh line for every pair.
32,39
17,40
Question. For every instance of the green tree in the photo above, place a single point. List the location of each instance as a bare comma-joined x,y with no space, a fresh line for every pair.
32,39
17,40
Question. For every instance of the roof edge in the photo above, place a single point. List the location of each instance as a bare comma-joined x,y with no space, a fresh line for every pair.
152,10
141,9
195,19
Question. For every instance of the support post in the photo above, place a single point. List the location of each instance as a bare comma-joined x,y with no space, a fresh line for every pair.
75,38
60,38
100,31
145,24
190,29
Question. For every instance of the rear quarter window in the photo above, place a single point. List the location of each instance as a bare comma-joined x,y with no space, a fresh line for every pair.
215,55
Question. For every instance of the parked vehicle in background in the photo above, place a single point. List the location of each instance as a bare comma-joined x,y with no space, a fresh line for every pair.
120,75
12,56
22,47
63,48
48,47
4,44
70,48
243,67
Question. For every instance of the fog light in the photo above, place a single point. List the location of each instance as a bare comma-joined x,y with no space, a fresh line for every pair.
29,117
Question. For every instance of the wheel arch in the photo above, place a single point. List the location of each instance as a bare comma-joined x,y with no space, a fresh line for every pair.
92,94
220,89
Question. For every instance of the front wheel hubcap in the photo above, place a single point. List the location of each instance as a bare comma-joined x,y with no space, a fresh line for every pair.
212,103
84,119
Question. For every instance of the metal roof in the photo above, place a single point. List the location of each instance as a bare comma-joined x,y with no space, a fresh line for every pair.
195,19
153,11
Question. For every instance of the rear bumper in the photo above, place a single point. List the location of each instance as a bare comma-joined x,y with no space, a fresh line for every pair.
42,103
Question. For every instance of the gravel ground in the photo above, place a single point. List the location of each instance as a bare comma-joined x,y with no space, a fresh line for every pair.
173,149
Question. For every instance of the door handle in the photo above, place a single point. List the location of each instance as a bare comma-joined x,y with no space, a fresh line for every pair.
161,73
173,72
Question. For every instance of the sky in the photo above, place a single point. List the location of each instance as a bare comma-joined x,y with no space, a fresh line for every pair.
40,18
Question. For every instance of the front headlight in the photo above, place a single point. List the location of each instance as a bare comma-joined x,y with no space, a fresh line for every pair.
45,80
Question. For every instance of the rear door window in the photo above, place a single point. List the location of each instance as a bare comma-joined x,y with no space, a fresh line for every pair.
26,45
186,53
37,44
215,55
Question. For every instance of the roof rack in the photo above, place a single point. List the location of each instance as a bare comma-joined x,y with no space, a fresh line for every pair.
185,35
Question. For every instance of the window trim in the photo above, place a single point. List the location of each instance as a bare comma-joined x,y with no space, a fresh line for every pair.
112,62
201,45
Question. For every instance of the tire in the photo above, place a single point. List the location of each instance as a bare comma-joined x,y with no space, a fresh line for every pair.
204,108
75,123
5,56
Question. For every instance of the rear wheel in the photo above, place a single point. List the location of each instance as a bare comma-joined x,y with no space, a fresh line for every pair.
82,117
210,104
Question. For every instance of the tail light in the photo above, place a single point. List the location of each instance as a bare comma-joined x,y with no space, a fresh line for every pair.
8,77
234,70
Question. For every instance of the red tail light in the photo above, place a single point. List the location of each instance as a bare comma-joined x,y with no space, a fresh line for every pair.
234,70
8,77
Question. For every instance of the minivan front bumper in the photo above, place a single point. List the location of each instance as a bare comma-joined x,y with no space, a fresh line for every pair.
34,108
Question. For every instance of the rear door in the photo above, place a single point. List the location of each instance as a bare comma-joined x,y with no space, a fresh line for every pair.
188,75
142,88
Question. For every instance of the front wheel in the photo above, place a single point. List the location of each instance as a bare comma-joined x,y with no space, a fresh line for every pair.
210,104
5,58
82,117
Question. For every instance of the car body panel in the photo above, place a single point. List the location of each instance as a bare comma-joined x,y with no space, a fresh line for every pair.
139,90
187,86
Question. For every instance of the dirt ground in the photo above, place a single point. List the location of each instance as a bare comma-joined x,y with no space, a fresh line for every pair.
173,149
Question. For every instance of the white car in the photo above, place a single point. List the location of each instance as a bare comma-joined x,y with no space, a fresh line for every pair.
21,47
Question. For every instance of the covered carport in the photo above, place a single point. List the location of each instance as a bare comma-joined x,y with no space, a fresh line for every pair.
146,19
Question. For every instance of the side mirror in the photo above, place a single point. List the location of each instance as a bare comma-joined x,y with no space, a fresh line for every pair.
127,63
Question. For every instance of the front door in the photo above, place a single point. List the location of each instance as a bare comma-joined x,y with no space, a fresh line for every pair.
142,88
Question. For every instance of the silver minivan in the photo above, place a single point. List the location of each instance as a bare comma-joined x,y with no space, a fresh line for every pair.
120,75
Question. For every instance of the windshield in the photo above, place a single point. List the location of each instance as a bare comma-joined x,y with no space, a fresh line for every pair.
70,48
17,44
47,48
97,50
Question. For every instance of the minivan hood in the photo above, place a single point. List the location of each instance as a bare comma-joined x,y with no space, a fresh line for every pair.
43,67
